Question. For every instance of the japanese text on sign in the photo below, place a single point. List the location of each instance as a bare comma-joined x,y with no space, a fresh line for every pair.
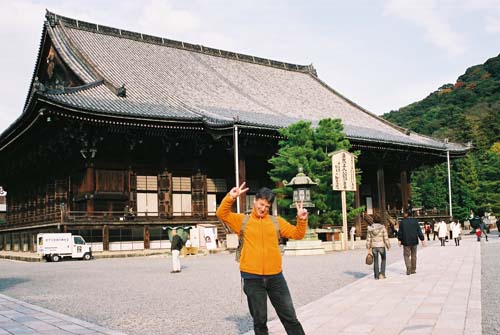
343,171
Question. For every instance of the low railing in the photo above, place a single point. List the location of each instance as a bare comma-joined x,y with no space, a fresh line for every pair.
421,212
75,217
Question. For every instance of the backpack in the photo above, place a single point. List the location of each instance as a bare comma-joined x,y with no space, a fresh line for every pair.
242,233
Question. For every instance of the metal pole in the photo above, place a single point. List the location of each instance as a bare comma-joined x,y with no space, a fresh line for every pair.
449,182
236,165
344,220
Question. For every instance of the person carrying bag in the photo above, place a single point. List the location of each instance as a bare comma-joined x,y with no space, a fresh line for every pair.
377,240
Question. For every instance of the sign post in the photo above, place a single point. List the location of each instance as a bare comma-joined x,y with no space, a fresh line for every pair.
343,179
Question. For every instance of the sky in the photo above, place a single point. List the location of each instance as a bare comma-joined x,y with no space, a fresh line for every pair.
381,54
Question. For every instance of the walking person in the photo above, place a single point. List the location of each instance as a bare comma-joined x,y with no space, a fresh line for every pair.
498,227
442,232
456,229
408,235
452,224
353,236
175,248
261,262
484,227
478,234
427,228
377,240
435,228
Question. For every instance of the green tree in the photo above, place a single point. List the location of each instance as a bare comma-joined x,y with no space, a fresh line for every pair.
465,186
430,187
308,147
488,165
467,111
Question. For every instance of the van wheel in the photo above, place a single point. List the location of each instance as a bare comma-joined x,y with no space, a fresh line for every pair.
55,258
86,257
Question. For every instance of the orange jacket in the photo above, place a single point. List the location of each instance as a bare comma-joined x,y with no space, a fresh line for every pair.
261,253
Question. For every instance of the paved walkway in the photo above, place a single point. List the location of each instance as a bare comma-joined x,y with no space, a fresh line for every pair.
20,318
443,297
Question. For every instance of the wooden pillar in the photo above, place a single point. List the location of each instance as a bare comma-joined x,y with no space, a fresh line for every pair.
146,237
243,177
105,238
381,194
357,203
89,189
31,243
404,189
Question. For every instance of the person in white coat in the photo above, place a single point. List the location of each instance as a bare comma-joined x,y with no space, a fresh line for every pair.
442,232
353,236
456,229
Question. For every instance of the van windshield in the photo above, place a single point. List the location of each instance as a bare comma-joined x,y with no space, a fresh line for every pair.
78,240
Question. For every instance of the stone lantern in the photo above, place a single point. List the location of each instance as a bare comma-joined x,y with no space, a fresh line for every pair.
309,245
301,185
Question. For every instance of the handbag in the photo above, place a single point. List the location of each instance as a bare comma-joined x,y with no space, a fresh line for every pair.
369,259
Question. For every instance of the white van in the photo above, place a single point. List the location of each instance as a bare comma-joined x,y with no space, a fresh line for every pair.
55,246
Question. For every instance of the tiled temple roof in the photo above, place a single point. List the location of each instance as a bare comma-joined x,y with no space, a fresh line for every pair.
172,80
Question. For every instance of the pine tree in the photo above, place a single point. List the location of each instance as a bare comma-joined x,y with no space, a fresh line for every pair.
308,147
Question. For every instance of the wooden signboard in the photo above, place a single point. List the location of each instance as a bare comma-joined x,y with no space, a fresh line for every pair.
343,171
343,179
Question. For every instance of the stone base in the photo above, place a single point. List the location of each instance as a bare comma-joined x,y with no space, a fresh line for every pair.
304,247
333,246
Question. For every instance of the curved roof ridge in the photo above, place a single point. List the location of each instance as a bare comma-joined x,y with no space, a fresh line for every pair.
105,30
85,61
403,130
75,89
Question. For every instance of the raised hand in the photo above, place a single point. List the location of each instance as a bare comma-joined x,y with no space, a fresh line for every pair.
302,213
237,191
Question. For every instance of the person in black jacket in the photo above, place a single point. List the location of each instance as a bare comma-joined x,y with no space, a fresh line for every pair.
175,248
408,235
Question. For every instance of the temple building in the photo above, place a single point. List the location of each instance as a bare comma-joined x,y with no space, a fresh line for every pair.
123,134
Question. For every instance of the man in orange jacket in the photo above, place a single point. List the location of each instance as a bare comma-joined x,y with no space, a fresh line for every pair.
260,262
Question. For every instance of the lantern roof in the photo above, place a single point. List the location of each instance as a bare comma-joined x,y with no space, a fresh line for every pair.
300,179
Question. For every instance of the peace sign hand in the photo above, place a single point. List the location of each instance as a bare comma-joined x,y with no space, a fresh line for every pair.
302,213
237,191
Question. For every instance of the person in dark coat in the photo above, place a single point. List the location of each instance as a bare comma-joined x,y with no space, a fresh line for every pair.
408,235
498,226
175,248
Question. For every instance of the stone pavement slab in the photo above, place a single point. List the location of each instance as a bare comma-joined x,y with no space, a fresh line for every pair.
19,318
443,297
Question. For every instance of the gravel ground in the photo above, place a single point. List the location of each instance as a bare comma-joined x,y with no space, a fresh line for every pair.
490,297
140,296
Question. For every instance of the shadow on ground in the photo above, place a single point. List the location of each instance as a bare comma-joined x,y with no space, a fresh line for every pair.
6,283
355,274
243,324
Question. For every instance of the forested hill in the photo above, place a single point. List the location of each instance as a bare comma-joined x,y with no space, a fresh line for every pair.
468,110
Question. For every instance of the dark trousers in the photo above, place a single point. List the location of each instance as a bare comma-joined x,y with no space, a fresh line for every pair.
443,241
484,233
428,238
410,256
376,270
257,291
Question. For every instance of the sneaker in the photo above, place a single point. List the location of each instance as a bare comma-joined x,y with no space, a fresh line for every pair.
413,272
381,276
